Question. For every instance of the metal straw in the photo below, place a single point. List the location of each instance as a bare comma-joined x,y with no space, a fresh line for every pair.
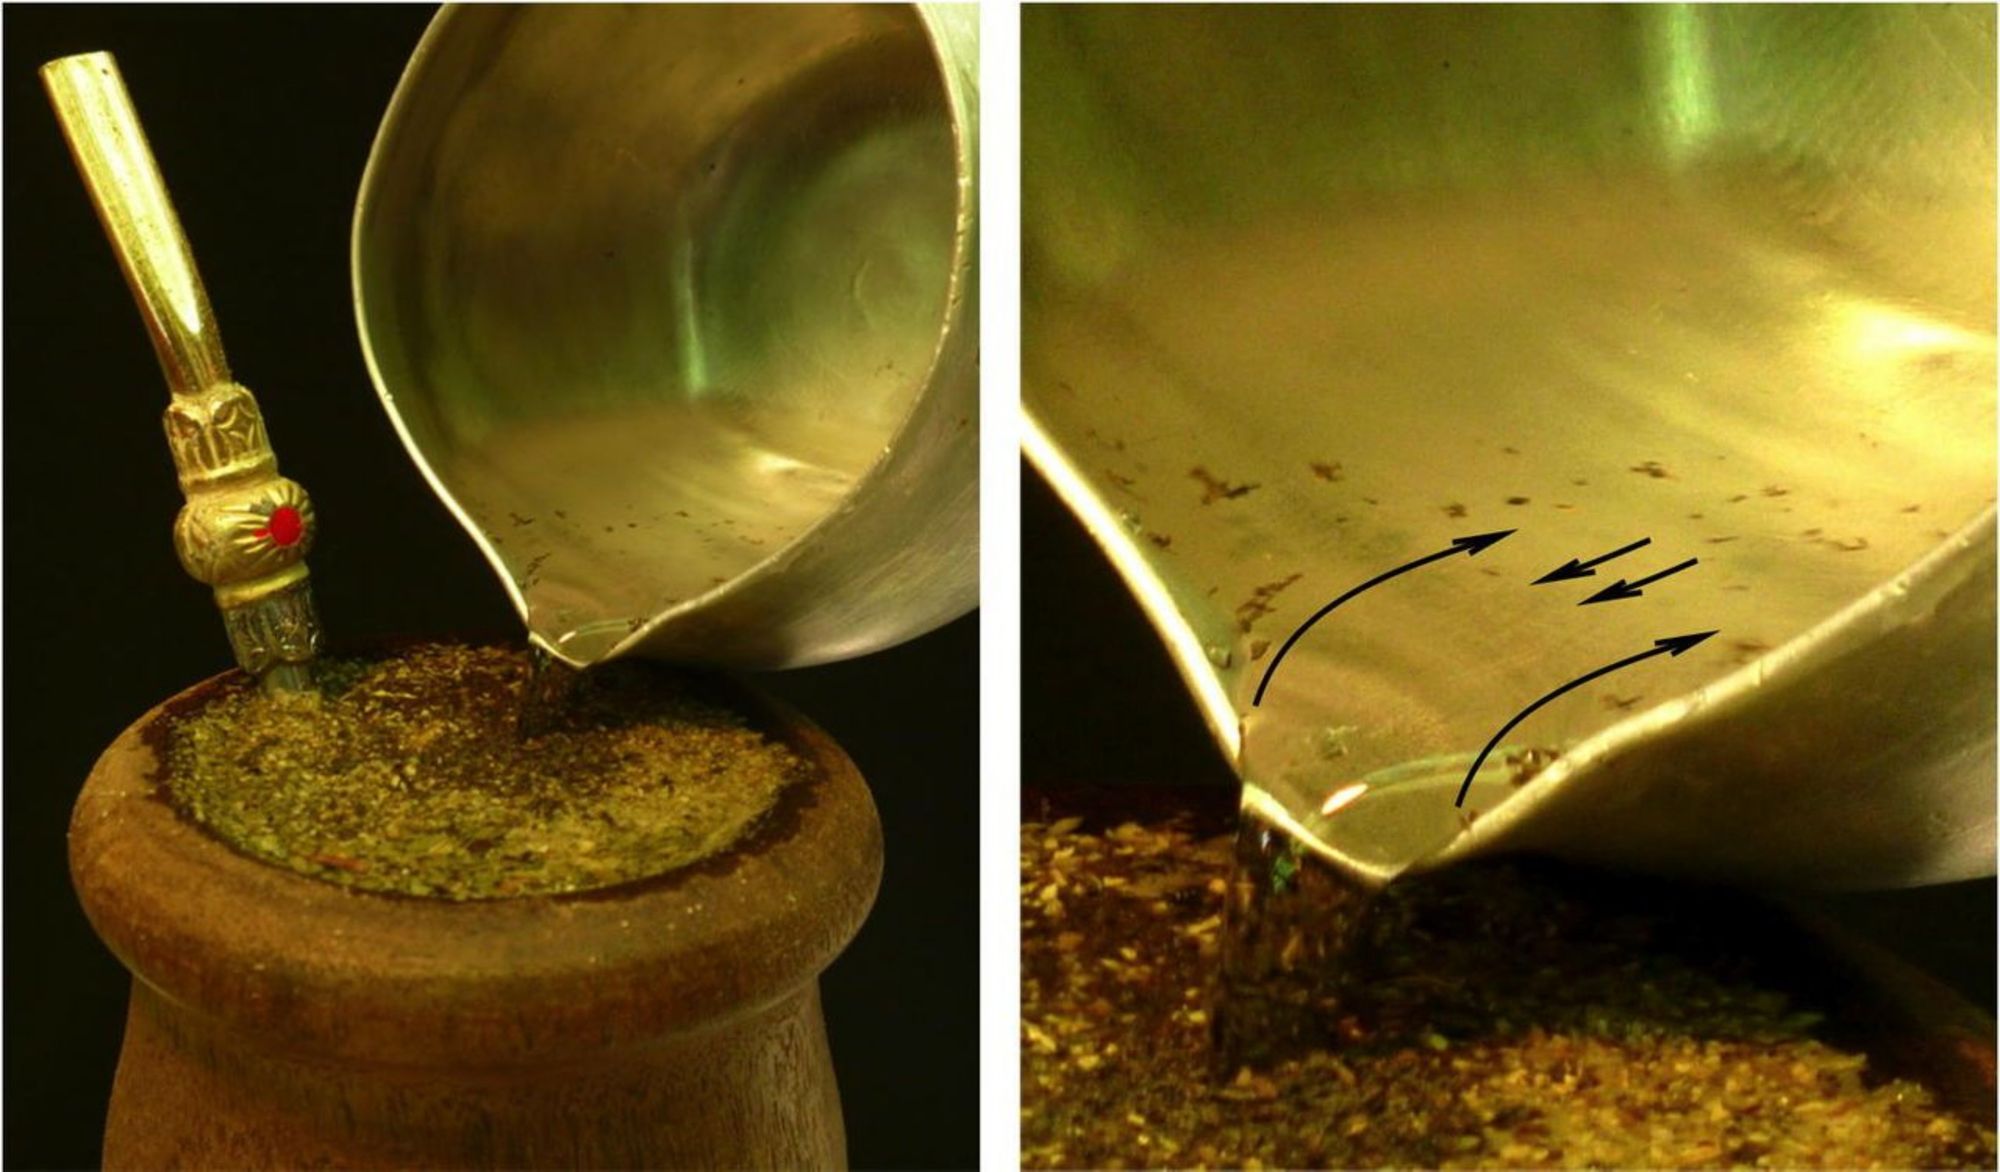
245,530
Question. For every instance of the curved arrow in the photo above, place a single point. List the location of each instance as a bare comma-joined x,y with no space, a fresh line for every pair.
1466,545
1673,646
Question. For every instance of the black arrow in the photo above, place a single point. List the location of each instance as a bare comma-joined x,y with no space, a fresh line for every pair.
1623,589
1576,569
1673,646
1466,545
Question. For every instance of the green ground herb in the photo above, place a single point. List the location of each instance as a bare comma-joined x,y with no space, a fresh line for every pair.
1512,1017
407,775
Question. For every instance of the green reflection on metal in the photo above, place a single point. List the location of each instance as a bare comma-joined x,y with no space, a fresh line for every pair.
693,353
1690,75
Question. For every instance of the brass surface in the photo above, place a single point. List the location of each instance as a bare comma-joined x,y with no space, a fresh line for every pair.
676,308
1311,291
245,530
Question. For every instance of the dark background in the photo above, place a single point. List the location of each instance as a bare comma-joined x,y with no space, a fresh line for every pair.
262,118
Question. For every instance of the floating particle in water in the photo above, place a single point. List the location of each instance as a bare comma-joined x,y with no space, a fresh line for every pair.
1331,743
1910,508
1258,648
1517,500
1621,703
1259,603
1524,765
1776,490
1454,509
1163,540
1214,488
1283,869
1654,469
1326,471
1123,482
1720,540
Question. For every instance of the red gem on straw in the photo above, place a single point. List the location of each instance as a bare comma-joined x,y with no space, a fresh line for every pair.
285,526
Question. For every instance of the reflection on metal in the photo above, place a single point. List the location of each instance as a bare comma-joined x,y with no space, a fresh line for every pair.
1690,104
676,307
1310,291
1341,798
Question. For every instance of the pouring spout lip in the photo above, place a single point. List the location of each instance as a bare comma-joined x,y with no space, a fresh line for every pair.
1367,875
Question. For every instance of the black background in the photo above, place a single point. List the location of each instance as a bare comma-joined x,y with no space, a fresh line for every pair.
261,118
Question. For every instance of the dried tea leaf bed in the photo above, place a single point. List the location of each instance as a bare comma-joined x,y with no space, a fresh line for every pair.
1512,1021
406,775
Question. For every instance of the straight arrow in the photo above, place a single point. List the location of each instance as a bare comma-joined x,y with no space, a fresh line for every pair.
1673,646
1576,569
1470,546
1623,589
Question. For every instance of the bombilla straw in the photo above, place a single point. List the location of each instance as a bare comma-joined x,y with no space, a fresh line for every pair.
245,530
125,186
